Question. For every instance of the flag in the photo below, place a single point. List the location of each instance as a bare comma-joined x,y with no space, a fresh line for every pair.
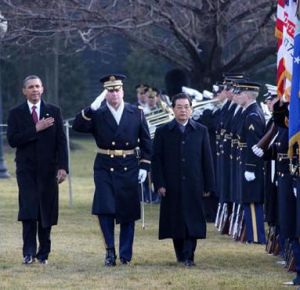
285,30
280,59
294,114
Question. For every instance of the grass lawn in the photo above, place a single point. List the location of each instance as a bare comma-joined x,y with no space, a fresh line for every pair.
76,260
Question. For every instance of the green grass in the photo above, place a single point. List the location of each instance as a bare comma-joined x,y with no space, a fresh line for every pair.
76,261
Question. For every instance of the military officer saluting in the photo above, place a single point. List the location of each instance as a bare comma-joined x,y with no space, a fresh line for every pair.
119,129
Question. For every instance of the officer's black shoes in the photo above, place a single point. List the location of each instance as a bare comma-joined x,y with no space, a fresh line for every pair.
295,281
124,262
28,259
43,261
110,258
189,263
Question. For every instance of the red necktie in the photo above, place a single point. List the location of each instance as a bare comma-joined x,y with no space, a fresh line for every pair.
34,115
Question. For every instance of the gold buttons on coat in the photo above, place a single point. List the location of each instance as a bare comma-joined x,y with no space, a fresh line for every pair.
113,143
111,169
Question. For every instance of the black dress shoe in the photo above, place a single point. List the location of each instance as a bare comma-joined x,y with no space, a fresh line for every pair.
189,263
124,262
28,259
43,261
110,258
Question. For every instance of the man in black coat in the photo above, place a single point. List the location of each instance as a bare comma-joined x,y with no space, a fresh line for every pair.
35,129
119,130
183,172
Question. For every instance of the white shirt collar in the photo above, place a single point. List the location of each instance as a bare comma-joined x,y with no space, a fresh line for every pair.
38,107
117,113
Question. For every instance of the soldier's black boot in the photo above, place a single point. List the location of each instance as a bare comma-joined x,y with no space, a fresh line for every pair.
110,258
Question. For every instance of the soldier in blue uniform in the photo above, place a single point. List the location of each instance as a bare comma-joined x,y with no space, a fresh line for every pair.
120,131
251,166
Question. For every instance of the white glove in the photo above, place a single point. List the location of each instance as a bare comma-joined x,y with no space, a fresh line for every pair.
249,176
295,191
142,175
97,103
257,151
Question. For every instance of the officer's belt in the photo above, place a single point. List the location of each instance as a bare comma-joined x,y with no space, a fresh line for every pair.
281,156
116,152
242,145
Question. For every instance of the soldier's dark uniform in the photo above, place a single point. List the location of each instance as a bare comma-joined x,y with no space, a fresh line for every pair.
116,170
209,119
252,192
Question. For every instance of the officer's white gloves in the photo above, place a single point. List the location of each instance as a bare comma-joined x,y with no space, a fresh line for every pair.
97,103
295,191
249,176
142,175
257,151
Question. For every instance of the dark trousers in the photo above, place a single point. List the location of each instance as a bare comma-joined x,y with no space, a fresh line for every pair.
254,219
107,225
31,229
296,252
185,248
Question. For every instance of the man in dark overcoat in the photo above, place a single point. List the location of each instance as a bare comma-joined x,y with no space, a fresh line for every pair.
123,158
35,129
183,172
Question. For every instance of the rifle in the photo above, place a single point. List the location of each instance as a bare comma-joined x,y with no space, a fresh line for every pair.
265,141
217,220
236,223
232,217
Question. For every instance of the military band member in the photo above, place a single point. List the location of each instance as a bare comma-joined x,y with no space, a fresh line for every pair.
118,128
183,172
251,166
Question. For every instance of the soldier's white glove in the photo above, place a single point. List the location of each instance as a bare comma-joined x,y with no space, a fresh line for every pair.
295,191
97,103
249,176
257,151
142,175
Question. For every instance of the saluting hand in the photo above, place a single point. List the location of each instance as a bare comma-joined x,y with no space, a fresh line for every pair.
44,123
162,191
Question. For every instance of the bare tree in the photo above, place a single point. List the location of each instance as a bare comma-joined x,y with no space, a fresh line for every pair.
203,37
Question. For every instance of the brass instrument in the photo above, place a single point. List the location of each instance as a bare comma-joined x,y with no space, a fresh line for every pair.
157,118
163,115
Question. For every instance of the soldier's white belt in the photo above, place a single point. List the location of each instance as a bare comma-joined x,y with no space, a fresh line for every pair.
281,156
115,152
242,145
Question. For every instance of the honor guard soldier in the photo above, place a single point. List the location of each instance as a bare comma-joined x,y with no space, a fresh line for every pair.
122,137
251,166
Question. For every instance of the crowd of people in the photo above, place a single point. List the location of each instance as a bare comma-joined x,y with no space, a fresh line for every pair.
231,152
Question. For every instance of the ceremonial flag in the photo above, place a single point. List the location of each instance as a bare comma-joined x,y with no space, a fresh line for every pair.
286,13
280,59
294,114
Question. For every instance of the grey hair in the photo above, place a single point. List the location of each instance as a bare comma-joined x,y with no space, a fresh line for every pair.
31,77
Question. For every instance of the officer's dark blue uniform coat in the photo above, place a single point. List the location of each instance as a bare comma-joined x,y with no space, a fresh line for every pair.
38,157
116,177
251,132
182,163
